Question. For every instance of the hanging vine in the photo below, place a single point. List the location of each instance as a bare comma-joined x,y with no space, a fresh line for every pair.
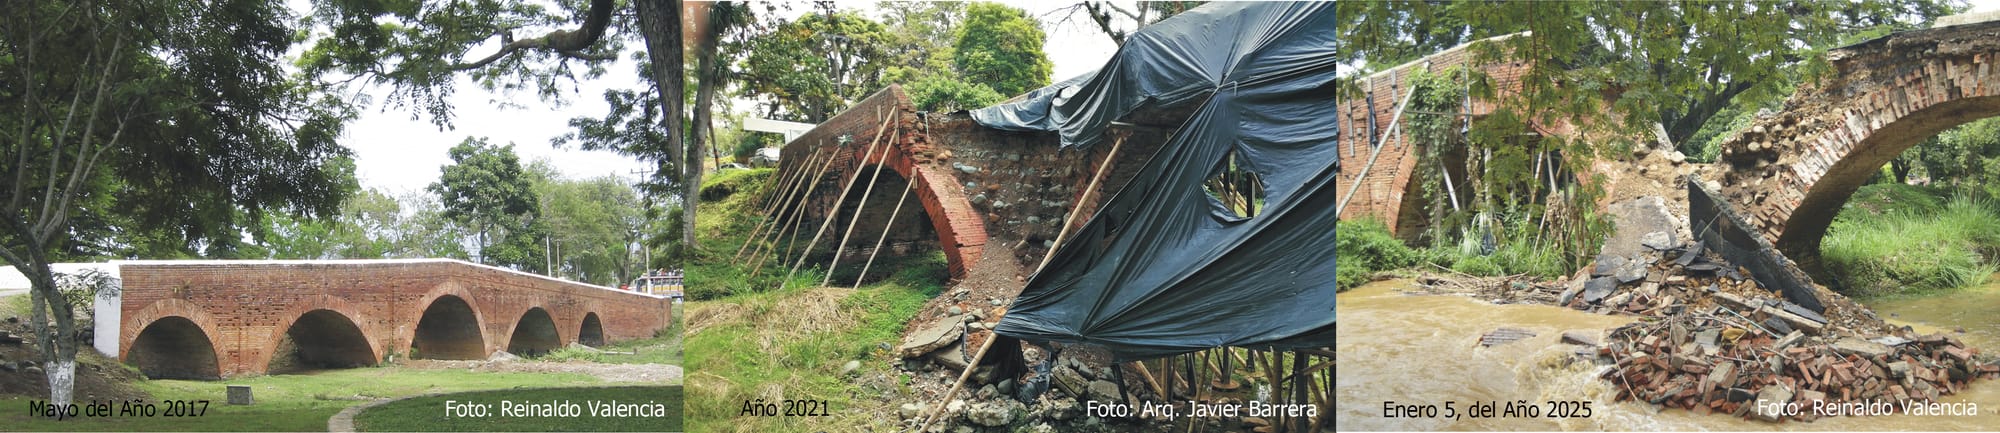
1491,181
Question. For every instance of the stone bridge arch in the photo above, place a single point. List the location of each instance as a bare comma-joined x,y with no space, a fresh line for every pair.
1793,171
960,231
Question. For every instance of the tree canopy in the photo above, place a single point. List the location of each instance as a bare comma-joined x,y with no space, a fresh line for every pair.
166,123
1001,47
486,191
1674,63
811,68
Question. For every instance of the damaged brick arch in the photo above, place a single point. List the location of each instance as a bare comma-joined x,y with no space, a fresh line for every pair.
346,312
1793,171
960,231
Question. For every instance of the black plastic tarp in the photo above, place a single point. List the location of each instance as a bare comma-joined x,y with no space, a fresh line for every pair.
1162,268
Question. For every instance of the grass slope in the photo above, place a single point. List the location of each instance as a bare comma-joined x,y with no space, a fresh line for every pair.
755,343
1900,239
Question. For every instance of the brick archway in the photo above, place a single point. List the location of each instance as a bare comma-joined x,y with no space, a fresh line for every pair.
262,356
182,312
407,335
1794,171
961,232
590,332
521,340
244,308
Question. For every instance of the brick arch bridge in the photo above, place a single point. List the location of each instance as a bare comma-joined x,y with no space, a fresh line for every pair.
980,189
218,318
1793,171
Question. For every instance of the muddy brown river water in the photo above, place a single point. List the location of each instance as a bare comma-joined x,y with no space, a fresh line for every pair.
1422,350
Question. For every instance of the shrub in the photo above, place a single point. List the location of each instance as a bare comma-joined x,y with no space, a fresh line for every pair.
1365,247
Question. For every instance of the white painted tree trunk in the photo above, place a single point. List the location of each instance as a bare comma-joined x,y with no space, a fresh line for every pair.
62,382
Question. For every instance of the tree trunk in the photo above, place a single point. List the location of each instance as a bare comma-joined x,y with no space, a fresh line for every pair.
58,345
710,72
660,25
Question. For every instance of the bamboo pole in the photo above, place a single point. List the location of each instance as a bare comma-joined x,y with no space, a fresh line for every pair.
851,222
789,214
835,212
1377,153
974,365
785,185
797,215
885,233
1146,375
1088,191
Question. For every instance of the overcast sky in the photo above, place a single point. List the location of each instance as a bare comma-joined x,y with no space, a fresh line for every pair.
398,154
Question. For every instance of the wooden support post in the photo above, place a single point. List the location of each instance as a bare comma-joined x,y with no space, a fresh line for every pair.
1067,221
835,212
865,192
1140,367
788,183
885,233
1088,191
1377,153
798,212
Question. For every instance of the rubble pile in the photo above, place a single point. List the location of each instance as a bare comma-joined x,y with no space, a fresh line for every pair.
1708,360
1667,281
1714,340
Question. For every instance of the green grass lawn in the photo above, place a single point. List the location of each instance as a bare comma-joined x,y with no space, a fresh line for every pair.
430,414
290,402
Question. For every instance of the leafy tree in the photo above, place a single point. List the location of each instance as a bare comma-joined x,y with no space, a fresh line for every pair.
1001,47
427,232
418,48
920,38
943,93
485,189
1673,63
172,120
594,225
813,67
1119,22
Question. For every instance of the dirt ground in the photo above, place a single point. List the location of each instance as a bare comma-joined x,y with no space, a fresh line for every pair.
97,377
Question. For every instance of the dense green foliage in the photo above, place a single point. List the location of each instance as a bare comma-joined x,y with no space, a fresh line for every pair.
1501,198
593,226
486,191
1670,63
947,55
1001,47
813,67
1901,240
1965,158
1365,247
